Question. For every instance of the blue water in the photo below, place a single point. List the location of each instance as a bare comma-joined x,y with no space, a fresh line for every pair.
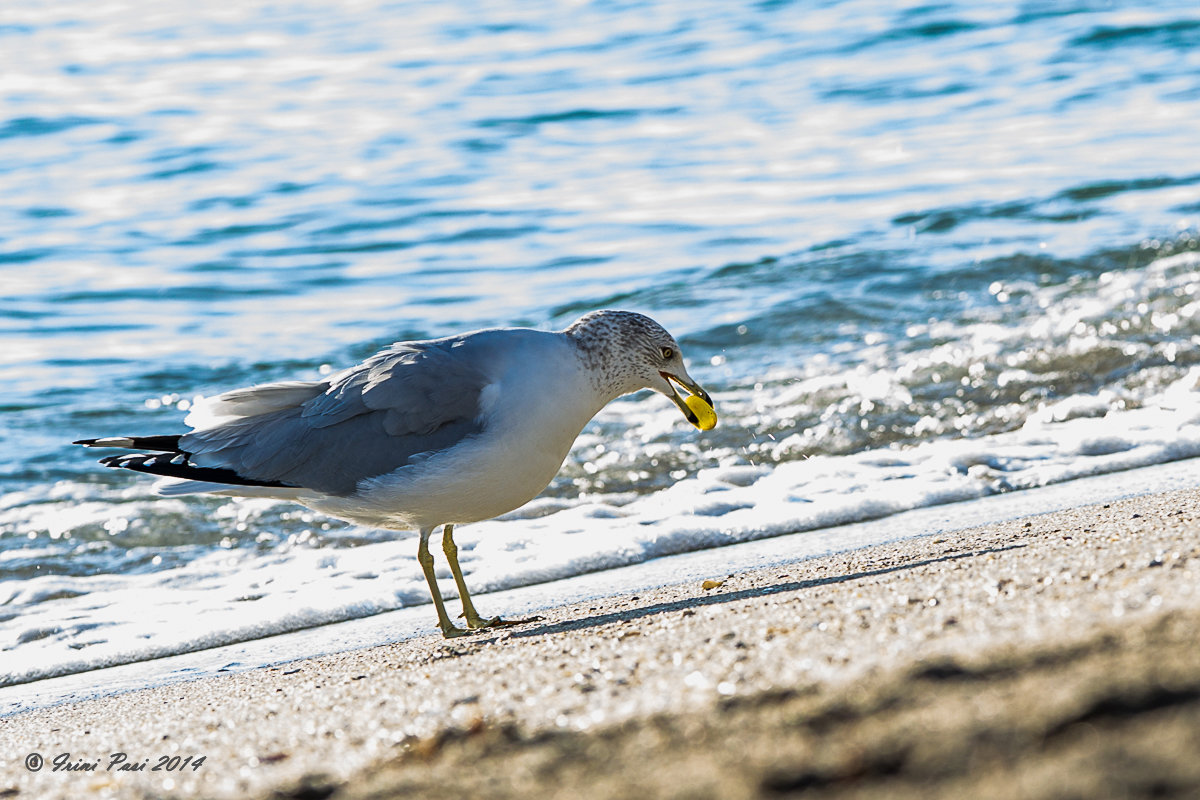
950,244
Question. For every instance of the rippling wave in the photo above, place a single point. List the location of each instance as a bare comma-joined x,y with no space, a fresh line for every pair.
951,248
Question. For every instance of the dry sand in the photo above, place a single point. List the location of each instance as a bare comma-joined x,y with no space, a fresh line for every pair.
1056,656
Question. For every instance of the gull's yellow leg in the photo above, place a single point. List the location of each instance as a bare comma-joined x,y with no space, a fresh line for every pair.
449,629
473,618
451,551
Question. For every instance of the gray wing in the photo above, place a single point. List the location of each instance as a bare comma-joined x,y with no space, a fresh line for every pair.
413,398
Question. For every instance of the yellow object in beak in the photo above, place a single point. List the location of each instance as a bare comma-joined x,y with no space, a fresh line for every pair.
697,406
706,416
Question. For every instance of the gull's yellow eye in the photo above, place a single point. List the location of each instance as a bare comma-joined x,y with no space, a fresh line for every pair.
667,354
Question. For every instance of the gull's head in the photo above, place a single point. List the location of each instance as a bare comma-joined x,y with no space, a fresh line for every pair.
627,351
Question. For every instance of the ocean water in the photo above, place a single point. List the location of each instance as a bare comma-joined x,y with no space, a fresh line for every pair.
919,254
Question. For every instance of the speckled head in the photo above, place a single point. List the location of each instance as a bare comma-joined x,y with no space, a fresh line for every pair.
626,351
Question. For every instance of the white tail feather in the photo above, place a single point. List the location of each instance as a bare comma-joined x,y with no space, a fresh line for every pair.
210,412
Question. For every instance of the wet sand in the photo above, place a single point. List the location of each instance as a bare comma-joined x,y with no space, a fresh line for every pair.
1052,656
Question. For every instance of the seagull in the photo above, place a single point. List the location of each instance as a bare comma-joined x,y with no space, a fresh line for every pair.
424,434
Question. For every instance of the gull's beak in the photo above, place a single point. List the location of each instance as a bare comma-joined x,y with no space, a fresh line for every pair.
696,405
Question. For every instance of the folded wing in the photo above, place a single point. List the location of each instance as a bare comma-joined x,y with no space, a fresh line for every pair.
410,399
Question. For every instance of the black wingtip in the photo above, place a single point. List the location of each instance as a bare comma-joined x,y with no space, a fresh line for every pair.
168,461
176,465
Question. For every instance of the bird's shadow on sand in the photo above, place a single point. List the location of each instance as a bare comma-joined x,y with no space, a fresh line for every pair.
626,615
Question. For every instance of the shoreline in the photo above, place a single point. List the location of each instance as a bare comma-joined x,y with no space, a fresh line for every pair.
920,667
521,600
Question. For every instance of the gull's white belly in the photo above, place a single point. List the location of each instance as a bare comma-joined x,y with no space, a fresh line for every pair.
476,480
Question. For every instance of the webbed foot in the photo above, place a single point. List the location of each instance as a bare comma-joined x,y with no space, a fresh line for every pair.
476,622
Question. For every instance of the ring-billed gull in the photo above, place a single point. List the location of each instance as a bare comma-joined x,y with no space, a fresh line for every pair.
425,433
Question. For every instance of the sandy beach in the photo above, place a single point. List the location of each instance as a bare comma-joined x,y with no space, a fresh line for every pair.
1050,656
